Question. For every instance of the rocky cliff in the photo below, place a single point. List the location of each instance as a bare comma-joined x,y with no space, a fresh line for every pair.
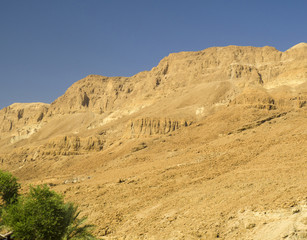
185,87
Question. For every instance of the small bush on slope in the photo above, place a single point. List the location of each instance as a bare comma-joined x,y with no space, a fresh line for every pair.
9,188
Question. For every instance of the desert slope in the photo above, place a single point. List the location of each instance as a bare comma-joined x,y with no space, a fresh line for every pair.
207,144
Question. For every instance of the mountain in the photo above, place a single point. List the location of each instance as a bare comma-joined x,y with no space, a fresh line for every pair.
207,144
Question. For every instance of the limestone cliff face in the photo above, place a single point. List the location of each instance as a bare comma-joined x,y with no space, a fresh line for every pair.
255,65
183,88
22,114
21,120
72,145
58,146
155,126
285,99
242,66
95,93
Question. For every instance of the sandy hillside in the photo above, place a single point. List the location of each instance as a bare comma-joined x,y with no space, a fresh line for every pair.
206,145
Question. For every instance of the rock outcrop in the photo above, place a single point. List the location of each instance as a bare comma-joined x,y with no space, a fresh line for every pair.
243,67
72,145
21,120
19,115
155,126
185,85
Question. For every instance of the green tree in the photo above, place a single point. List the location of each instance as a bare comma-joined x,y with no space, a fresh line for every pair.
40,215
9,188
77,229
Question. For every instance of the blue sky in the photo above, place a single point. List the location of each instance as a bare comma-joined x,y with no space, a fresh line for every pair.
45,46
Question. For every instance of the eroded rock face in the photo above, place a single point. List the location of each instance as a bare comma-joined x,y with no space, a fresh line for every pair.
241,66
72,145
183,88
155,126
58,146
21,114
21,120
94,93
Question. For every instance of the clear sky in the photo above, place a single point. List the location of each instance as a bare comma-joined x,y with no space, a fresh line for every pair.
47,45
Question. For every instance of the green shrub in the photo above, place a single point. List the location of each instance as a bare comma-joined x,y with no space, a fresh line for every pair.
9,188
40,215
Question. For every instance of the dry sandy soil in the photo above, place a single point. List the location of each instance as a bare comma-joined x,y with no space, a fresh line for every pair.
207,145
